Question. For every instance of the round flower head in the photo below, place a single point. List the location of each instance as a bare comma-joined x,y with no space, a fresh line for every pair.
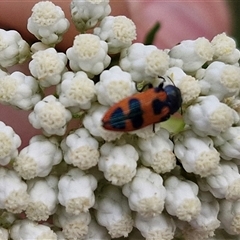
88,54
47,66
192,53
43,198
146,193
113,212
13,49
38,158
221,80
26,229
225,49
80,149
114,85
73,226
208,116
76,90
9,143
87,13
19,90
50,115
118,32
14,197
197,154
47,22
144,62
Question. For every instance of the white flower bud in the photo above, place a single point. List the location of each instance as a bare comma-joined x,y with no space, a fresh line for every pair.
193,53
160,226
228,143
197,154
229,215
118,163
221,80
47,66
80,149
181,200
19,90
73,226
9,143
87,13
76,90
13,49
144,62
118,32
43,198
157,152
47,22
208,116
92,121
225,183
4,233
26,229
188,85
225,49
76,191
13,197
146,193
50,115
114,85
88,54
112,211
38,158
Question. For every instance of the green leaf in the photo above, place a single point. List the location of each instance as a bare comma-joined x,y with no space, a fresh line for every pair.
149,39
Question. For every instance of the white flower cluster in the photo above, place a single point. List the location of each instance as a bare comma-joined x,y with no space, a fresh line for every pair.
77,180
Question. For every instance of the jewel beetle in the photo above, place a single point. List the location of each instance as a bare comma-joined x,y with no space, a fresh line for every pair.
142,109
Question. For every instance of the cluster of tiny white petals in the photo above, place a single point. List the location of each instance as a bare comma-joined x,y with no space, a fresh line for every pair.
80,149
146,193
27,229
9,143
50,115
118,32
144,62
19,90
76,90
113,212
197,154
181,198
13,49
75,199
225,50
221,80
157,152
14,197
38,158
87,13
208,116
73,226
47,23
47,66
43,198
178,179
114,85
224,183
192,53
118,163
89,54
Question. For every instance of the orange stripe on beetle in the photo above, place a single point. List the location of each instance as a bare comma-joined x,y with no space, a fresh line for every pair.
143,109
